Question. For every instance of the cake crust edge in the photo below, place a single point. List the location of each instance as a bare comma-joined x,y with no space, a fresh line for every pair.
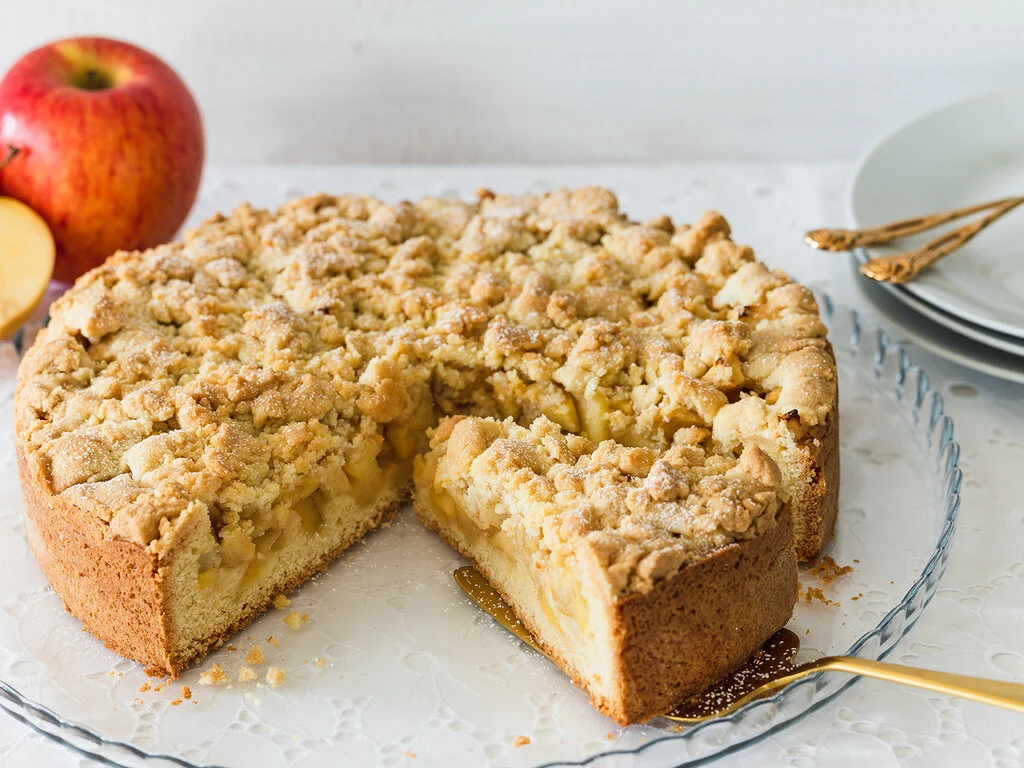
815,510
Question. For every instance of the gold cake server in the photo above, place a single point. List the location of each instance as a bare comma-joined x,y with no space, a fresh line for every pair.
771,669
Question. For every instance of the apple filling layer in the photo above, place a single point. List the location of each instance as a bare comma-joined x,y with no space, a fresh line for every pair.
235,571
569,531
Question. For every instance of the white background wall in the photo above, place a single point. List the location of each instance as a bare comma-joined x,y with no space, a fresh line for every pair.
540,81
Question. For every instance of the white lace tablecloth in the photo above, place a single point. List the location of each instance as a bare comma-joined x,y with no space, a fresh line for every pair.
975,625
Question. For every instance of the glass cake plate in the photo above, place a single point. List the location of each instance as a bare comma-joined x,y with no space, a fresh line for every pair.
395,666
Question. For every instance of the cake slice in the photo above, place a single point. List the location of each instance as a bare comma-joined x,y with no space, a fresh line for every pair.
645,576
188,450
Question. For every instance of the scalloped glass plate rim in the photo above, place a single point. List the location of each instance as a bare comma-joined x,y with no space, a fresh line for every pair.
37,716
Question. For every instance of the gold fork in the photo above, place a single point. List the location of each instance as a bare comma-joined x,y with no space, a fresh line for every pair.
770,669
903,267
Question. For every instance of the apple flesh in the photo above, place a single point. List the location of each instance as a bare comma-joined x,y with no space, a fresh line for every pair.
105,142
26,262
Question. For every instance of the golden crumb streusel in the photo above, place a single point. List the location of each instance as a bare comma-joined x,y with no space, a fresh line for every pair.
271,354
642,512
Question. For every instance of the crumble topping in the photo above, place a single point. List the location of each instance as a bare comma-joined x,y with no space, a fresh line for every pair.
270,355
641,512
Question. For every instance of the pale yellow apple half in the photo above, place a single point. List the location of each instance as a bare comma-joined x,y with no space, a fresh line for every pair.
27,252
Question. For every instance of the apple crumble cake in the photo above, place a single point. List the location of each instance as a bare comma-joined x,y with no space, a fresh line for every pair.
631,428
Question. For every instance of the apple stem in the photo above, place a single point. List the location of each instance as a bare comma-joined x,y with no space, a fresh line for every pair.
12,152
94,81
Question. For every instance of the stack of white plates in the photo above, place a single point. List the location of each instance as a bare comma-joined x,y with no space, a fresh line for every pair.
970,306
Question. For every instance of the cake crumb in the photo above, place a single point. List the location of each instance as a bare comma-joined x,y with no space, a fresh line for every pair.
138,700
111,673
186,692
254,656
410,754
296,619
160,687
213,676
144,687
815,593
611,736
246,674
858,596
827,570
319,662
521,741
273,641
275,676
150,671
176,702
232,648
281,602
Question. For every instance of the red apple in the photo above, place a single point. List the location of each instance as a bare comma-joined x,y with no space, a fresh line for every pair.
105,142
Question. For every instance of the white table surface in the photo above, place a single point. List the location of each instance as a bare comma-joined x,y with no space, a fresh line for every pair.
552,80
975,624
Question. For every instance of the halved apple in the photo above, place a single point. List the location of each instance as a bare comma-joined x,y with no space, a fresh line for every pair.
27,252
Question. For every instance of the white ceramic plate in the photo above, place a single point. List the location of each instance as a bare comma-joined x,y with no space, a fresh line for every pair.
999,341
937,339
968,152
